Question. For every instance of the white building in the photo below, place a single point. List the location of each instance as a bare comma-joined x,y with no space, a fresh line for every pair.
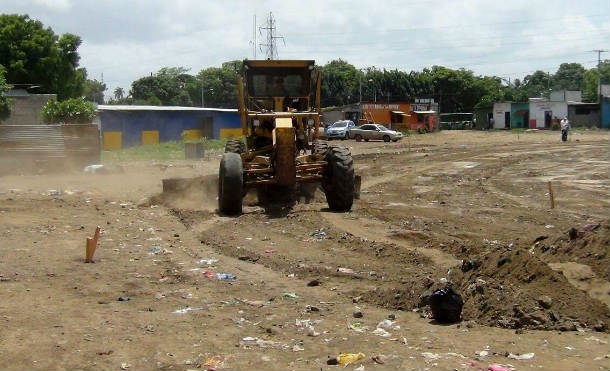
501,115
544,112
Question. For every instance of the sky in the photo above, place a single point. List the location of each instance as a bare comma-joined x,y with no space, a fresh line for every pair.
128,39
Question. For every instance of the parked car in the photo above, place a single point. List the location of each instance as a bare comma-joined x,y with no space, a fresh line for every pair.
374,132
339,130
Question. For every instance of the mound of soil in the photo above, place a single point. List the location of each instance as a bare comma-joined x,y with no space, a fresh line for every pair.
515,289
589,247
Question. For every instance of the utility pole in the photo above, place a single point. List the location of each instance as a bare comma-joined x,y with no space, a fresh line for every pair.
360,88
270,46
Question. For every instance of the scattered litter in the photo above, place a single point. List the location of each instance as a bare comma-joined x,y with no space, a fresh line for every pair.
381,332
212,363
357,314
357,326
495,367
446,305
123,298
155,250
359,368
348,358
311,331
585,228
302,322
93,168
270,251
255,303
297,348
386,324
549,226
482,353
318,235
226,276
377,359
125,366
290,295
429,355
52,192
106,353
521,357
313,283
187,310
207,261
345,270
208,274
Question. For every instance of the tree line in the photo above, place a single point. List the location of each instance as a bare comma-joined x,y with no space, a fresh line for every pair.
33,54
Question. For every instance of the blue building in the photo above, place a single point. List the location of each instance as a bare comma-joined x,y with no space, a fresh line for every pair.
606,113
127,126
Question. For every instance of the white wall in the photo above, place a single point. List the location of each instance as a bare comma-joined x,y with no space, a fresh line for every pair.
499,109
537,109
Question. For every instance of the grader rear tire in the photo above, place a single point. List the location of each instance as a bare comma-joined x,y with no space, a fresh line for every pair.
338,182
230,184
235,146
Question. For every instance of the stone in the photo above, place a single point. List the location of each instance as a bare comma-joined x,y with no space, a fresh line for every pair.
545,301
357,314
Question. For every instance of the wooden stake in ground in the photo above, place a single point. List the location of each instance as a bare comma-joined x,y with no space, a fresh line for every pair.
91,246
551,195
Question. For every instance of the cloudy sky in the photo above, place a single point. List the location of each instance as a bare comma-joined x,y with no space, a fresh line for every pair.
128,39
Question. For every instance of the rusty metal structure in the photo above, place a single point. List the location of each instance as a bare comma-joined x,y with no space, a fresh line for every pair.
279,108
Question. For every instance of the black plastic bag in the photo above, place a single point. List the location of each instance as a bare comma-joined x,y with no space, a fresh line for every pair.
446,305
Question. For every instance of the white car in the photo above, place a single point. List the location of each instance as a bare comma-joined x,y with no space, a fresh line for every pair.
339,130
374,132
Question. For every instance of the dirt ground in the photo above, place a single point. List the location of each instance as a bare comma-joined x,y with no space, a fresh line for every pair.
465,209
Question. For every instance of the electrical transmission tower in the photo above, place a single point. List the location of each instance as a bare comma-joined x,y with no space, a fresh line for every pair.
270,47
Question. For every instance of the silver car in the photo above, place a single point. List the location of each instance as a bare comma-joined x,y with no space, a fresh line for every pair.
374,132
339,130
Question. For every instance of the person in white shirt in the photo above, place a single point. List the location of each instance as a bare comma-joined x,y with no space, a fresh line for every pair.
565,127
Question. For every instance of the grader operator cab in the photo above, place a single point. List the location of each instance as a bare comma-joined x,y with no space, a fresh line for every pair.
280,117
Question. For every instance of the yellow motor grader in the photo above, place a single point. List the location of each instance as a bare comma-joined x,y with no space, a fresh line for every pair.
279,107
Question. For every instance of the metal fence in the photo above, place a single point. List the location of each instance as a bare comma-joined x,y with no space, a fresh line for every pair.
58,146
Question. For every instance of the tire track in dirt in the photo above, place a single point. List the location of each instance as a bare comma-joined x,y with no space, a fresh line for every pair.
364,229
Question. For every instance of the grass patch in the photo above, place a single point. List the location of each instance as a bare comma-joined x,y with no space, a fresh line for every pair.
158,152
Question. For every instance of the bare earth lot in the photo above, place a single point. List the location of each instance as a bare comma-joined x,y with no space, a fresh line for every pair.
428,204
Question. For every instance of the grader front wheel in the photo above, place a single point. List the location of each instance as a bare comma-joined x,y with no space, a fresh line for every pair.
338,182
230,184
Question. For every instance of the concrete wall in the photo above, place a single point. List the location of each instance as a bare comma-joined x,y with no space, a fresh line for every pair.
566,96
499,111
25,110
539,107
584,115
129,128
519,115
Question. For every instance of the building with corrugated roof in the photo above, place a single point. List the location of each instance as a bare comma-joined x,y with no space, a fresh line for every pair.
127,126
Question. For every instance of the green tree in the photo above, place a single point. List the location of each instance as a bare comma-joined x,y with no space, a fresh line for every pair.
340,83
70,111
33,54
166,87
590,87
94,91
119,94
5,103
569,76
218,85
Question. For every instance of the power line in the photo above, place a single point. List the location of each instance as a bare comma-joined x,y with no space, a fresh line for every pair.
270,46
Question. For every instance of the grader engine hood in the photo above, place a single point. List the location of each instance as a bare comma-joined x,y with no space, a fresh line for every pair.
278,86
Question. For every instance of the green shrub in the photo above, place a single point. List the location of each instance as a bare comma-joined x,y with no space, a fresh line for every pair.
555,126
71,111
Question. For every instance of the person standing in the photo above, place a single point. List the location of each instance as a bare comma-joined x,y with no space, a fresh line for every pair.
565,127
